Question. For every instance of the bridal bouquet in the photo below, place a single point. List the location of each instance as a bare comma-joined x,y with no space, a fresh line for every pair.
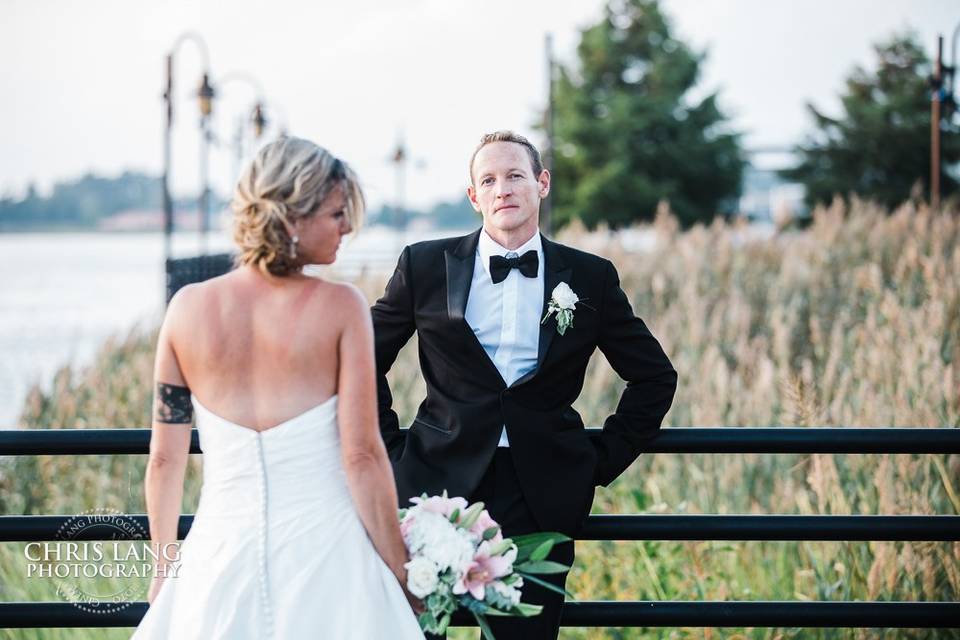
460,559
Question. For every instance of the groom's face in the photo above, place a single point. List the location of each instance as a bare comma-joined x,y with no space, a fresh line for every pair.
504,190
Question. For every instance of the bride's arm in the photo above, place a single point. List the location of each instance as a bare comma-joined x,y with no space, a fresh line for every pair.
365,461
169,449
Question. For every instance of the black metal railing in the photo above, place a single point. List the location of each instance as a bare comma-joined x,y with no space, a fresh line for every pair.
599,527
184,271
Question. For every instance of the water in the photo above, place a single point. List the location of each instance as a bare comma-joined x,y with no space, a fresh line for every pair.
63,294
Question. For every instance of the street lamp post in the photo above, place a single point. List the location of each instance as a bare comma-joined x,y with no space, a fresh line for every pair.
935,101
257,117
180,272
943,103
400,157
205,95
949,76
400,179
165,180
546,207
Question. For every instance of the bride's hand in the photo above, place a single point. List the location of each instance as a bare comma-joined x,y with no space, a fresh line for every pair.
415,603
155,585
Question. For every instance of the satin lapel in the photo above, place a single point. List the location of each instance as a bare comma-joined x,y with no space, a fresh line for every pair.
460,275
460,263
555,271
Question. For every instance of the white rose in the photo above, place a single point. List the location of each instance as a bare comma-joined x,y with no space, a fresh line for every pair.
452,552
564,296
436,539
421,577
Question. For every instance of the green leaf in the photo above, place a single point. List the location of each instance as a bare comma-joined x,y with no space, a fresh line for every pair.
455,515
535,539
484,626
526,544
543,566
426,620
542,551
545,584
526,609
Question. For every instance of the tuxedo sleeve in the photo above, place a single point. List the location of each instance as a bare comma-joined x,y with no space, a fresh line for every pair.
393,324
637,357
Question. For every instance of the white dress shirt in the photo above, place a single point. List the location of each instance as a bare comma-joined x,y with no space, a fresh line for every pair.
505,317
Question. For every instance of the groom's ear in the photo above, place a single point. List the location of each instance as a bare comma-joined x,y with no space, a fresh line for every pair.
472,196
543,184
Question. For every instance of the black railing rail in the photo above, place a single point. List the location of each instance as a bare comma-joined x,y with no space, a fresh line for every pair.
16,442
90,441
617,527
660,613
184,271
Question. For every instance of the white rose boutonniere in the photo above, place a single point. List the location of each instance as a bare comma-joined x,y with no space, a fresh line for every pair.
563,302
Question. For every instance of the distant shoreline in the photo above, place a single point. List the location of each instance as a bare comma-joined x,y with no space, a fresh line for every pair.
74,229
50,229
93,230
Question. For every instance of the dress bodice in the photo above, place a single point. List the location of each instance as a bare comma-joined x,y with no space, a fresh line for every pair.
292,465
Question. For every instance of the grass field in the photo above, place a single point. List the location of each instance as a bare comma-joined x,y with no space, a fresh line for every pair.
853,321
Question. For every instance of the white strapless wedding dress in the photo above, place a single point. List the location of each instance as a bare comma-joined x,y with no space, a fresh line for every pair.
277,549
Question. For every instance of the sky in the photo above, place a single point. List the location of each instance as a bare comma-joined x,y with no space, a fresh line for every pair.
81,83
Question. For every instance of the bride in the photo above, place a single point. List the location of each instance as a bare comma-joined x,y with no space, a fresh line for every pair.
296,532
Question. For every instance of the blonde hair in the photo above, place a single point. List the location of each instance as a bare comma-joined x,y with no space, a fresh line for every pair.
536,163
287,180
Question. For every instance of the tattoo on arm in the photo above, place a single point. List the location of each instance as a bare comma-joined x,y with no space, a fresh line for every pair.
172,404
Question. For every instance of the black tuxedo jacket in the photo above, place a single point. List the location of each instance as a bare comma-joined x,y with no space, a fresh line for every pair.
455,434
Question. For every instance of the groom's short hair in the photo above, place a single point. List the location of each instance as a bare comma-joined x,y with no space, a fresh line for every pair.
510,136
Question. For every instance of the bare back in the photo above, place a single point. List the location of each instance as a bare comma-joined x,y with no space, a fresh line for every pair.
258,352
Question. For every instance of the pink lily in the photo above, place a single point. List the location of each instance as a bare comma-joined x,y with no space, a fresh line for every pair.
441,504
485,569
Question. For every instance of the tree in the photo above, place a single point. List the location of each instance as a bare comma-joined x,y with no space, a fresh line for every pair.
879,148
627,134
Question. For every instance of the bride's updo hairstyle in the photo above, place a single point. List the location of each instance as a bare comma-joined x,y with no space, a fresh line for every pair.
288,180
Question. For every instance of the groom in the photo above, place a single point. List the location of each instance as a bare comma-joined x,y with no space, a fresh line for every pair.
497,423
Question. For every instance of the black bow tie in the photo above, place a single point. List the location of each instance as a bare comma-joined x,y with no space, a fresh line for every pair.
500,266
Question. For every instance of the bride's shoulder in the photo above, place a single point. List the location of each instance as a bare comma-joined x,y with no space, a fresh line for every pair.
348,299
181,313
185,299
189,297
196,300
330,295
